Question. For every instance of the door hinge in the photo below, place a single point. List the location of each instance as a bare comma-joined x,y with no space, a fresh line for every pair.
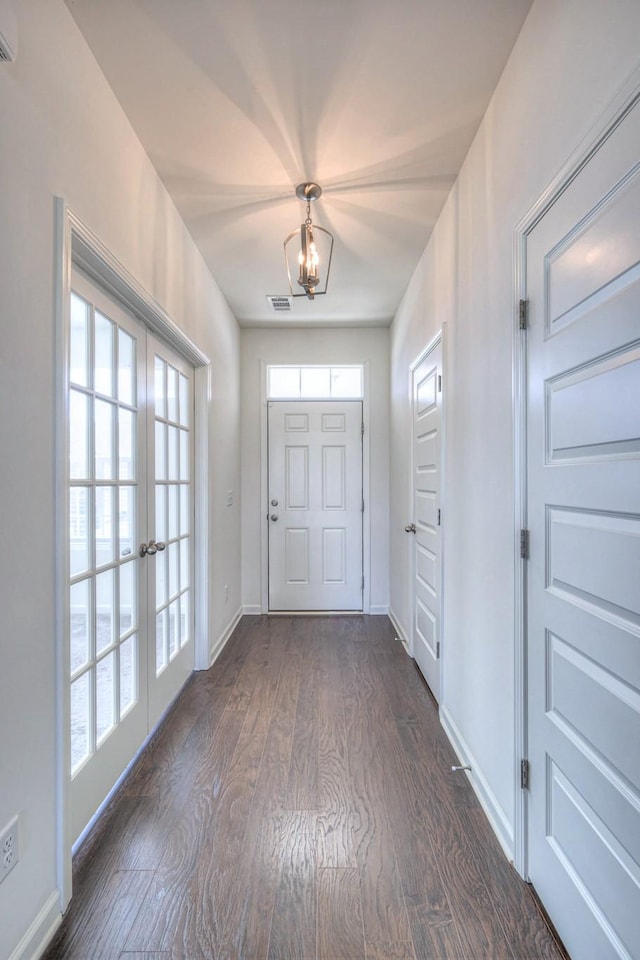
439,516
363,581
438,650
524,544
362,429
439,384
524,774
363,504
524,314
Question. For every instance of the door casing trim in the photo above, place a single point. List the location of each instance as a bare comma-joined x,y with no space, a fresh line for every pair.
613,114
75,244
264,487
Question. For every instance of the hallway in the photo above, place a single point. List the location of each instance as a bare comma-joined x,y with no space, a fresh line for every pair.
298,803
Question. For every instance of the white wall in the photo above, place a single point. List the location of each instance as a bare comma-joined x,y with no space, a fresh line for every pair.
569,61
64,134
357,345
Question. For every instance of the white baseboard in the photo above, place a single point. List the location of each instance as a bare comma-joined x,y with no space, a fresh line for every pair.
41,931
379,610
222,640
400,631
252,610
495,814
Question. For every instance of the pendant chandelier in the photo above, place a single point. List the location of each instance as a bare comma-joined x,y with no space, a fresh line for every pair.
308,260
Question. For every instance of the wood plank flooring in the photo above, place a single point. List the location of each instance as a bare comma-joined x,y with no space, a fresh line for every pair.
298,804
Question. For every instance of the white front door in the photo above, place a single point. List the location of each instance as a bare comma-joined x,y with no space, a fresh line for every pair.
424,528
315,505
129,469
583,412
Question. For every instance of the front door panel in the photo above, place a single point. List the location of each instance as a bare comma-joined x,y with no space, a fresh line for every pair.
315,505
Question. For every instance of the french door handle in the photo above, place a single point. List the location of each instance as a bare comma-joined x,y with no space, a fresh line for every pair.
410,528
151,548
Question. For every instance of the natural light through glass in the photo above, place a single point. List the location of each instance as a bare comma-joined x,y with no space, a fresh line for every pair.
314,382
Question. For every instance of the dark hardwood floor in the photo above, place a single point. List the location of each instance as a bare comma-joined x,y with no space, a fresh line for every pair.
298,804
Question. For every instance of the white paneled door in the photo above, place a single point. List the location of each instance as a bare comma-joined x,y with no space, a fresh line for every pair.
425,526
583,279
315,505
130,531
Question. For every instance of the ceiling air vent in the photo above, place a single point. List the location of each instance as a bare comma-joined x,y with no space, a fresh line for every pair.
8,33
280,304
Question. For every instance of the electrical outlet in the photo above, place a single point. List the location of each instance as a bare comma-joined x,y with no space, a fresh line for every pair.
9,851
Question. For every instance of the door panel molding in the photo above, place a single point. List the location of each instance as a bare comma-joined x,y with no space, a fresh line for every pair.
604,125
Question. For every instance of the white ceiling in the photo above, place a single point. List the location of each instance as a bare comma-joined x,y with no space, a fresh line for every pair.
237,101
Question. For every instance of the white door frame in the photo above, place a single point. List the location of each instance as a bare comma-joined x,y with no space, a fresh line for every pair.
264,485
439,338
608,120
76,244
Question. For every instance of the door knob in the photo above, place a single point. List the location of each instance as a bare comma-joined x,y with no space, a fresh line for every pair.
274,503
410,528
151,548
274,516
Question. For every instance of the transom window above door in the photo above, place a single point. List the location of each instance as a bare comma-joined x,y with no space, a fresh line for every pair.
312,382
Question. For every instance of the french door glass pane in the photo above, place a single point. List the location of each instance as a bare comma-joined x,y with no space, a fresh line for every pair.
161,511
127,520
105,696
105,611
126,444
161,579
80,623
184,563
184,455
78,436
185,518
79,342
103,440
160,392
127,573
80,726
105,529
172,393
161,641
128,674
173,569
185,621
174,643
161,451
79,535
103,355
126,368
172,497
184,401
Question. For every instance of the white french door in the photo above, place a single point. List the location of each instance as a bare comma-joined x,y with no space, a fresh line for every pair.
583,634
425,528
130,412
315,505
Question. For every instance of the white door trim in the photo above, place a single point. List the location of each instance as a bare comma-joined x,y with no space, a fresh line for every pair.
76,244
608,120
439,338
264,489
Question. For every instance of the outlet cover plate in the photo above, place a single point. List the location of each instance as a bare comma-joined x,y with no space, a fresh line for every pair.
9,848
